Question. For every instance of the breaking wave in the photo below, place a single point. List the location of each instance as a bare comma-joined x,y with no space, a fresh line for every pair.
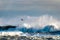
30,24
31,21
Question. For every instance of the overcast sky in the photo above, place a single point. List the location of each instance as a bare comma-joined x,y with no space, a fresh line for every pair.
12,8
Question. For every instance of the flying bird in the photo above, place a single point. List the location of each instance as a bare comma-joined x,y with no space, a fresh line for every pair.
22,20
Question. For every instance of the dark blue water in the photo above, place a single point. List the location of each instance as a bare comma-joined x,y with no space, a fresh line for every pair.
49,29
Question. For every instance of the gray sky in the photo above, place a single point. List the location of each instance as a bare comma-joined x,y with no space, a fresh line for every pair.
13,8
